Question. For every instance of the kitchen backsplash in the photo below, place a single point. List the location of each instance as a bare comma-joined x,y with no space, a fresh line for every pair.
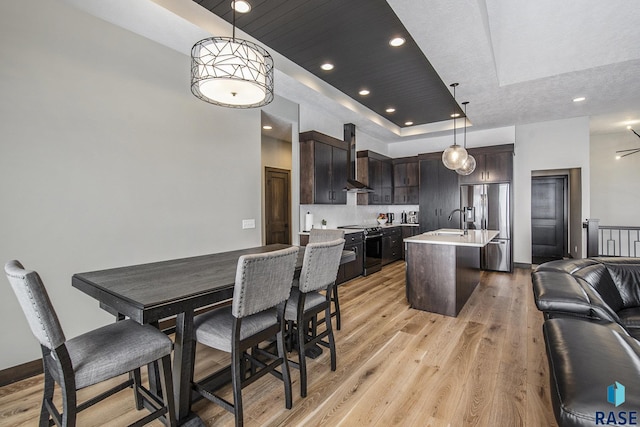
349,214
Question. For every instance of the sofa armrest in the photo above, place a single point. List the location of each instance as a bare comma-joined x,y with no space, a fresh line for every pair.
560,292
585,358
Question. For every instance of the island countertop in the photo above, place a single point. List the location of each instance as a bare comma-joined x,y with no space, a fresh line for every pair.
448,236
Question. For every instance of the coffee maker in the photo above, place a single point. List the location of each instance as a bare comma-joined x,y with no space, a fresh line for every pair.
412,217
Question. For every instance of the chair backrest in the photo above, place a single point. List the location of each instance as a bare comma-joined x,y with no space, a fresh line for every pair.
36,305
318,235
263,281
320,265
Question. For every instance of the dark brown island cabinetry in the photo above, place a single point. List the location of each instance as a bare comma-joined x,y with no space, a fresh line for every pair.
493,164
439,194
391,244
408,231
376,171
323,169
406,181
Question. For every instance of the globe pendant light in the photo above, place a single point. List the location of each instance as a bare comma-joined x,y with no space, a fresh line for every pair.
454,156
469,165
231,72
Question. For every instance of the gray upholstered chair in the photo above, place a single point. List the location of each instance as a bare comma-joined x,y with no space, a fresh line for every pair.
93,357
262,286
318,235
319,271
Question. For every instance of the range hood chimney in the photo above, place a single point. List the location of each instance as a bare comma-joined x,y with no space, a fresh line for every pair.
353,185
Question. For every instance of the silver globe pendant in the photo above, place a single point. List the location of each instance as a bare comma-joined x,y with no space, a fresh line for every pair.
454,157
468,167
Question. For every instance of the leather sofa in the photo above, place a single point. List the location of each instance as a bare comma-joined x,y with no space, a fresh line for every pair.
591,332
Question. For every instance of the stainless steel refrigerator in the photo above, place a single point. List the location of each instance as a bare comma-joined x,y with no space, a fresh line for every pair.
487,207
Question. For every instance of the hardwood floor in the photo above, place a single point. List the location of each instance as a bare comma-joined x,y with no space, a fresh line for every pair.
396,366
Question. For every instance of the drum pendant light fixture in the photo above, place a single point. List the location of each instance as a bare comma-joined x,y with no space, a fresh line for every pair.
231,72
469,165
454,156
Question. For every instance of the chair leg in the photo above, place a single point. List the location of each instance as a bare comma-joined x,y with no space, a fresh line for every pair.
286,377
47,398
137,382
337,304
69,407
332,342
166,382
302,357
236,379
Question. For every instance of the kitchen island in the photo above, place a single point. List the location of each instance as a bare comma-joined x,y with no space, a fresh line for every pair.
443,268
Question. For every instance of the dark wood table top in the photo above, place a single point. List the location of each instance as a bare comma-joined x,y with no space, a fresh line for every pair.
150,292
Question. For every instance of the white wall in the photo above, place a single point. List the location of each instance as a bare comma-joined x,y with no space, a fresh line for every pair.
561,144
615,198
107,159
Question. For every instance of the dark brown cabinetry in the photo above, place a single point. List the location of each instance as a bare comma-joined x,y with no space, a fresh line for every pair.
493,164
391,244
408,231
439,194
323,169
376,171
406,181
353,242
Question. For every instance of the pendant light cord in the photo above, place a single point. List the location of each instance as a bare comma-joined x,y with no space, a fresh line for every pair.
233,34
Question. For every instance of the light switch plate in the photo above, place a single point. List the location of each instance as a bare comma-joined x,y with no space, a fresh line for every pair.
248,223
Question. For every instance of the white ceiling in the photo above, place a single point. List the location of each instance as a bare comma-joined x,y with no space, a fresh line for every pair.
517,61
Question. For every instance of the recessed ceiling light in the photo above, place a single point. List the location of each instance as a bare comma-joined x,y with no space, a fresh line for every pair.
397,41
408,123
364,92
267,127
241,6
455,115
327,66
579,99
390,110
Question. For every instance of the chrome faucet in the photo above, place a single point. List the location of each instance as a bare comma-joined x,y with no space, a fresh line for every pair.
462,217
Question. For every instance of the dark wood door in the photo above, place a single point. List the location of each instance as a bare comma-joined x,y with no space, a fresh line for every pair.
322,172
548,218
277,206
428,214
498,167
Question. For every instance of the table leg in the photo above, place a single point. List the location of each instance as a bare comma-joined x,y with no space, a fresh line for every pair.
183,363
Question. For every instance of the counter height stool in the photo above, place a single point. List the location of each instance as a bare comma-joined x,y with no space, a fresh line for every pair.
319,271
93,357
318,235
262,286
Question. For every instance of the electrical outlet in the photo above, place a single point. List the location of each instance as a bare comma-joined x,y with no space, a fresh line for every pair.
248,223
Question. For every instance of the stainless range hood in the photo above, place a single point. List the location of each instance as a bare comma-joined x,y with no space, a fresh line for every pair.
353,185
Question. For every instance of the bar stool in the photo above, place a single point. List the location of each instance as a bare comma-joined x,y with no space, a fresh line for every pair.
93,357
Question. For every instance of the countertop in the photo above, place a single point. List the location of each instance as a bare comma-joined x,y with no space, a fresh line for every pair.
448,236
358,230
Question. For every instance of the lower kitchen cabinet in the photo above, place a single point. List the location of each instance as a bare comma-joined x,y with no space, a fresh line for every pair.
391,244
408,231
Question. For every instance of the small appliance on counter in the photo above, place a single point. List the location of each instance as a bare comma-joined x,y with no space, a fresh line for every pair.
390,217
403,217
412,217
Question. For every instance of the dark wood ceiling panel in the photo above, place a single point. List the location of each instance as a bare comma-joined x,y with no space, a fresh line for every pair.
354,36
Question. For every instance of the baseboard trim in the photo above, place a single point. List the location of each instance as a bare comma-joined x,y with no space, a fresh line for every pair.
522,265
20,372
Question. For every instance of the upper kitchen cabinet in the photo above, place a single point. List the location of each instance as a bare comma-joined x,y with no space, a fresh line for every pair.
406,181
493,164
376,171
439,194
323,169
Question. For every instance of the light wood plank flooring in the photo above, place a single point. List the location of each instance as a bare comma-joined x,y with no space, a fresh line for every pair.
396,366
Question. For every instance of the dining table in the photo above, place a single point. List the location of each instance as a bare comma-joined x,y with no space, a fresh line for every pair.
148,293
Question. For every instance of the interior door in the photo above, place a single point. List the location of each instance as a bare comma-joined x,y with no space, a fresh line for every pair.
277,206
548,218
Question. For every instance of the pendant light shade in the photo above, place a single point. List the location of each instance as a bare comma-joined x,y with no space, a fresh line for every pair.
469,165
454,156
231,72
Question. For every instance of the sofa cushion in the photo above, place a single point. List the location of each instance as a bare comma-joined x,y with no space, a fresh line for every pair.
598,277
566,265
626,278
584,359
